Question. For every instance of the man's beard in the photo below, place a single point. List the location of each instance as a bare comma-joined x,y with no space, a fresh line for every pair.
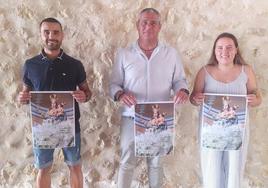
55,45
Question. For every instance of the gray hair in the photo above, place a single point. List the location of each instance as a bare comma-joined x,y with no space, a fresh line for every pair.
150,10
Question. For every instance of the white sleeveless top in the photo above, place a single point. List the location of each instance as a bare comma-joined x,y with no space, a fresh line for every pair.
236,87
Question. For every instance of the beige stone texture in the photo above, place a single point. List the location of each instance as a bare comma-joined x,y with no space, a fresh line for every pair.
94,29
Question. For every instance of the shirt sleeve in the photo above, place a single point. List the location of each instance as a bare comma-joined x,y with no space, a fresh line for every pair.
81,76
117,75
179,80
26,76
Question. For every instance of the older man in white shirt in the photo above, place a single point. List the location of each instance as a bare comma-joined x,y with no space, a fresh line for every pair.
143,72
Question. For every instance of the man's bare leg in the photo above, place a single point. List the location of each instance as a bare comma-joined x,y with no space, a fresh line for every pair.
43,179
76,176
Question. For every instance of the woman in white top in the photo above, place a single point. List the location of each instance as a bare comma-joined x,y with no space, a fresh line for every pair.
225,73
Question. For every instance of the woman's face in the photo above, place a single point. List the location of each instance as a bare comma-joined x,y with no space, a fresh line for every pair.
225,51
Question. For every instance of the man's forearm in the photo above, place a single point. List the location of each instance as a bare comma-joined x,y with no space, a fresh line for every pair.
84,87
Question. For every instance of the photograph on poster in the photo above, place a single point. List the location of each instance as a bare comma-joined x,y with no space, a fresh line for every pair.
154,129
223,121
53,120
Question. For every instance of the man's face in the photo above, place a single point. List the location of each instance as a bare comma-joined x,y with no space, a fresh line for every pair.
148,26
51,35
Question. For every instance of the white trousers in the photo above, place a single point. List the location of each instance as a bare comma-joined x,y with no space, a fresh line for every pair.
223,169
128,159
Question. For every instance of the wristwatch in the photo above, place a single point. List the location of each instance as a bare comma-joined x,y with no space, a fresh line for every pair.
118,95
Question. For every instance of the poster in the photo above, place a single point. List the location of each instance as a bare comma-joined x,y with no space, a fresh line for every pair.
53,119
223,121
154,129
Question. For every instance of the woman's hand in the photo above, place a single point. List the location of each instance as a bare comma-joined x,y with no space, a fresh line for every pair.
253,100
197,99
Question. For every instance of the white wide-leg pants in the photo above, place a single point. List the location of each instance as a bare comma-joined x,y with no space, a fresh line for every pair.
224,169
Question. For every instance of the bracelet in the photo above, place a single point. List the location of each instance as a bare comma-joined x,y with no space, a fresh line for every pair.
185,91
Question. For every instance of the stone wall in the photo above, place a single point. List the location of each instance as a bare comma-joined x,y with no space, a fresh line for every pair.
93,32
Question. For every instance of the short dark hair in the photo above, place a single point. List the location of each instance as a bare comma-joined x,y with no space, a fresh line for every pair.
238,58
50,20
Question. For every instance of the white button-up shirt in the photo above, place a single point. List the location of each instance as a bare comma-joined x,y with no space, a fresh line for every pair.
149,80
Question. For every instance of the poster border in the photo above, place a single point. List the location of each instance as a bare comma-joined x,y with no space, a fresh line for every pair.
246,117
44,92
174,130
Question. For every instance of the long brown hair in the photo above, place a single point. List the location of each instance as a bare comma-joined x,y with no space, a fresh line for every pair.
238,58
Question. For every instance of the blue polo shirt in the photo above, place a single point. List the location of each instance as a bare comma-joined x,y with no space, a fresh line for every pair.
61,74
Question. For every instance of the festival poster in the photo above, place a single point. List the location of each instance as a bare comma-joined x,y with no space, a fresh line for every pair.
223,121
53,119
154,129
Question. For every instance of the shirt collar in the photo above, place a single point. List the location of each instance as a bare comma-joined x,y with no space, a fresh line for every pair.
137,47
44,55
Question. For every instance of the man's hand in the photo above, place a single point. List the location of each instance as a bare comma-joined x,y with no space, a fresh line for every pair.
181,97
84,87
24,97
79,96
127,99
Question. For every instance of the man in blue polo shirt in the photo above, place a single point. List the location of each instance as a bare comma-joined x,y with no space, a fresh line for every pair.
54,70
